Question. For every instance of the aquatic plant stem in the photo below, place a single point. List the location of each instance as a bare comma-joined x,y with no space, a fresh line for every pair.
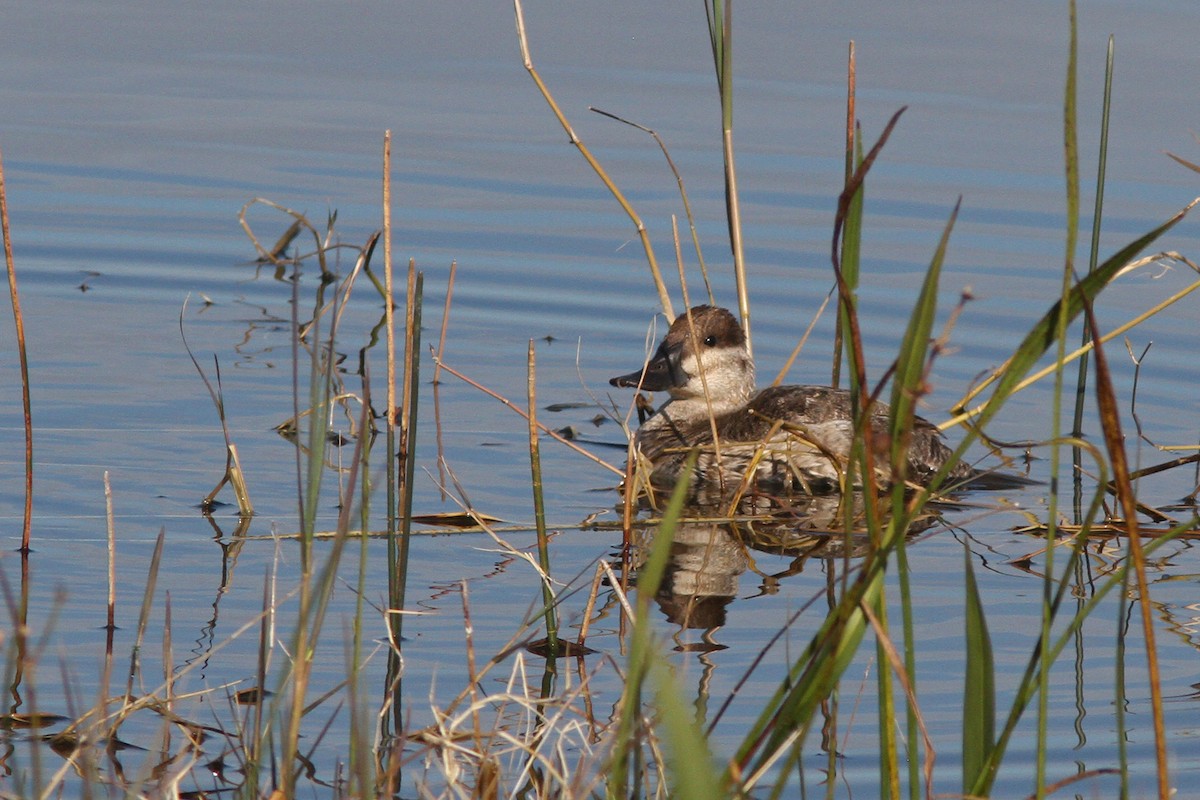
720,31
389,322
539,514
1094,253
1071,160
1111,425
112,556
523,413
852,232
663,297
650,575
19,323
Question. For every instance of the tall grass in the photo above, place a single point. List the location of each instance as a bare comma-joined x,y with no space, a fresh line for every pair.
10,270
544,738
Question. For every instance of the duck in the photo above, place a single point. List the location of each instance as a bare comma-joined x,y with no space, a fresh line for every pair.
790,438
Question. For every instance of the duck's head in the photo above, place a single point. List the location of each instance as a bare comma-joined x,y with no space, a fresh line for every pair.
706,339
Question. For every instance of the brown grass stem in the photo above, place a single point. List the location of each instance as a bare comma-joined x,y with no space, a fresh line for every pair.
437,374
513,407
900,669
791,359
1110,423
135,668
233,474
683,195
390,329
720,31
23,358
112,554
695,342
643,234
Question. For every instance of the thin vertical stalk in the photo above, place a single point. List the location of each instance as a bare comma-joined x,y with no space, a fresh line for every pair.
625,745
1093,259
1115,441
408,424
912,724
19,323
663,297
1071,158
112,555
437,377
360,755
390,336
852,233
720,30
539,513
394,620
889,770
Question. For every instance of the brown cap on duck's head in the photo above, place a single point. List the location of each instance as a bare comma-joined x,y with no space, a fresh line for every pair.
720,350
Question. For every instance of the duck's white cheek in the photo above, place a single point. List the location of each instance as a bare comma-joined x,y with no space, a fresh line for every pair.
728,374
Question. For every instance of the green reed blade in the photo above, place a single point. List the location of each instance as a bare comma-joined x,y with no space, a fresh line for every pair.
979,687
649,577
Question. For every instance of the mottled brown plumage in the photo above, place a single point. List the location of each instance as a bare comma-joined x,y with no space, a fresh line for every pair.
793,437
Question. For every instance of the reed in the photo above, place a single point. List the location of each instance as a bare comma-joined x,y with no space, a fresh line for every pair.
516,735
539,513
720,34
663,296
22,355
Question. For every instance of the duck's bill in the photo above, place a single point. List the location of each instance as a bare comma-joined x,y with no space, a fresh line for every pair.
660,374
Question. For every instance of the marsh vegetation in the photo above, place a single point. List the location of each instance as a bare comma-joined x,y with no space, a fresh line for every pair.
376,661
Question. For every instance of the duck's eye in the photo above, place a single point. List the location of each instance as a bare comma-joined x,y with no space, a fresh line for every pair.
710,340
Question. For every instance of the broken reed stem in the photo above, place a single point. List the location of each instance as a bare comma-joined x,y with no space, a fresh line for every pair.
112,554
643,234
144,614
521,411
539,513
19,323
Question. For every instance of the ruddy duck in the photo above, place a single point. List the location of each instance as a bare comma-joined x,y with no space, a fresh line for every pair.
793,437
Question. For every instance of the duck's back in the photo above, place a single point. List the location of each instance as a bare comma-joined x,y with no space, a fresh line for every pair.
801,436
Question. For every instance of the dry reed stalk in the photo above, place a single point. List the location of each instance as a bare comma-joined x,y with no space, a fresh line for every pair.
389,327
522,412
168,659
663,297
683,195
1110,424
472,673
847,172
144,614
437,373
695,341
19,323
720,31
112,554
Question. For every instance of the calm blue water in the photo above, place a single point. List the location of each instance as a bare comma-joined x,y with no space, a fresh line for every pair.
133,133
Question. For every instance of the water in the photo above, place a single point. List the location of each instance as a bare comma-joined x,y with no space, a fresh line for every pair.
133,134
